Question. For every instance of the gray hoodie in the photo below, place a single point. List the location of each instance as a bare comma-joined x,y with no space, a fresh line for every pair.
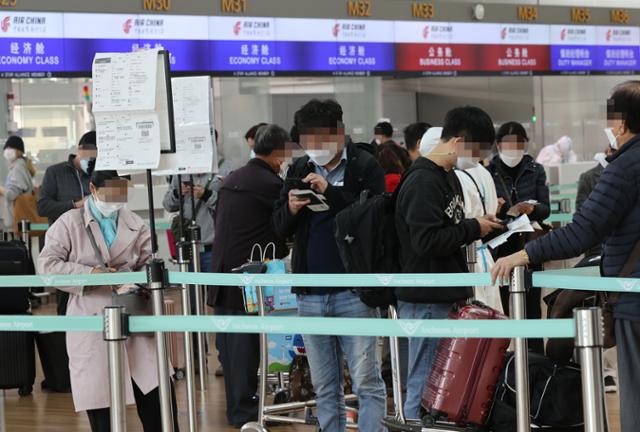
18,181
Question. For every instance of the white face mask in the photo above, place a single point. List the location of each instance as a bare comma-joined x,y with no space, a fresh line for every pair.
511,158
377,140
320,157
466,162
602,159
252,155
107,209
10,154
613,140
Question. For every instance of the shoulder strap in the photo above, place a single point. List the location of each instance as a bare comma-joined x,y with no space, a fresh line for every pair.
632,261
484,208
504,186
94,245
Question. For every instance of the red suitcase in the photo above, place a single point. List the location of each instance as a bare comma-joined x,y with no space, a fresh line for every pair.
464,375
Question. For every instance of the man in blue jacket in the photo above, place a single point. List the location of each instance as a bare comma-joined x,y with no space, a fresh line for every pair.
611,214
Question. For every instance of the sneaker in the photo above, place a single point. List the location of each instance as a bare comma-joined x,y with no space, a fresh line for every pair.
610,385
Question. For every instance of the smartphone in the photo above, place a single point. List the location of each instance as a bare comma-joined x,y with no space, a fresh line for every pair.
295,183
317,201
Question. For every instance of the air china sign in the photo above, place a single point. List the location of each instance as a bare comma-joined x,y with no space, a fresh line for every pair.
150,27
253,29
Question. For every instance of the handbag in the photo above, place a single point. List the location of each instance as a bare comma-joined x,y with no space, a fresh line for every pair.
608,300
275,298
25,208
186,223
136,300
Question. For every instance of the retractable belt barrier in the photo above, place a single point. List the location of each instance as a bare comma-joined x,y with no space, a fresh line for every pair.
586,278
160,226
586,326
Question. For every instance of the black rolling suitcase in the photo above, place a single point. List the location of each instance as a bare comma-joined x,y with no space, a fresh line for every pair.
17,349
17,361
14,261
52,349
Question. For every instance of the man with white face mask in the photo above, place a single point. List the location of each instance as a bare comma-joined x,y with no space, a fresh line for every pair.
339,170
432,230
479,192
610,214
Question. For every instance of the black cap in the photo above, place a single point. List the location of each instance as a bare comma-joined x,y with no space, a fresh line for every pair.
14,142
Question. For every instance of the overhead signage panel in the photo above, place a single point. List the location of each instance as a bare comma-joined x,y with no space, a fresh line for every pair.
65,43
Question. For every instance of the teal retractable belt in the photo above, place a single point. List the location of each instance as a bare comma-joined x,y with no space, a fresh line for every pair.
304,325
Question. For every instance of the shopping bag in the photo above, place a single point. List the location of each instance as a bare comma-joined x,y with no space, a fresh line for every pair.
275,297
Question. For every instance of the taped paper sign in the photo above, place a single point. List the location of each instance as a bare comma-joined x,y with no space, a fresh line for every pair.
130,109
195,147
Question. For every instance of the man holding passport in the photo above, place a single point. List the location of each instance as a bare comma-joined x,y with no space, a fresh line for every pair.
338,170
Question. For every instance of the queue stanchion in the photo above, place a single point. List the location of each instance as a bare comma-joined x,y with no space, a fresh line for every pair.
156,279
183,250
589,340
25,234
518,290
395,371
194,236
115,334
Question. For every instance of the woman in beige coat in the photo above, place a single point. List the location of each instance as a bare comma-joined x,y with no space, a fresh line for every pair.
124,244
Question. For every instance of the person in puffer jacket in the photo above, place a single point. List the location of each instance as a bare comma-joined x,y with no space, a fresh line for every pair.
611,214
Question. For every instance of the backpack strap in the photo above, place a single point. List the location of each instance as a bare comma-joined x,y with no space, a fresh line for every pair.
484,208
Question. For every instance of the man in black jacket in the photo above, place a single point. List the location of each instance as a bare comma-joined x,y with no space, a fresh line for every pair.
64,187
610,214
432,231
243,219
339,170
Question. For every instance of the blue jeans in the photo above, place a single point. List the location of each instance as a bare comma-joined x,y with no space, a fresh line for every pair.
326,358
421,352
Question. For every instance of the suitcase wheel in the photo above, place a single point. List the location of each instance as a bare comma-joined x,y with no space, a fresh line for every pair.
179,375
281,397
25,390
428,420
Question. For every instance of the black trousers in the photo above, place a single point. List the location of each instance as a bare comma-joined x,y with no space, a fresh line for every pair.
148,410
239,354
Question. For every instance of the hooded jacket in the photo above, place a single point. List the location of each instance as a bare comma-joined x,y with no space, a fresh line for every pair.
432,231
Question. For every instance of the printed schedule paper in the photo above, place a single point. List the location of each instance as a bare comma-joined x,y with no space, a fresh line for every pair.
131,116
192,108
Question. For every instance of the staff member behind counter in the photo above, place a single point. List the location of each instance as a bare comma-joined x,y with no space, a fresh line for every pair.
121,243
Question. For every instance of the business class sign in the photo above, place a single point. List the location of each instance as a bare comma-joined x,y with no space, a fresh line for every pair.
46,44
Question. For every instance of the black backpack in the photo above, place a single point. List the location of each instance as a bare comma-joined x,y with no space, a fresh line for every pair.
368,241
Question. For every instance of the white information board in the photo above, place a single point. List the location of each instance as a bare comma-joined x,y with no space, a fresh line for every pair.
131,110
196,150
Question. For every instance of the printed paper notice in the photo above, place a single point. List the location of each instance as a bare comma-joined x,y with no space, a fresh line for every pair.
129,126
125,82
195,148
128,141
